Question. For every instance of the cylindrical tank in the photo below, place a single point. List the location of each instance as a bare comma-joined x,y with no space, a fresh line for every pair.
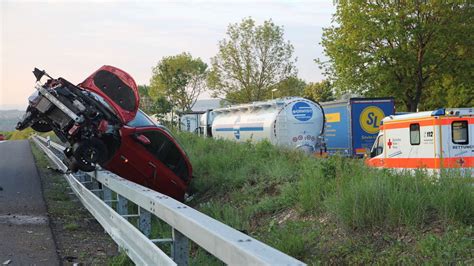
291,122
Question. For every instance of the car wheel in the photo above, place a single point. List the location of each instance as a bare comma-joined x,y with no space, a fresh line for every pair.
81,165
71,164
41,126
88,153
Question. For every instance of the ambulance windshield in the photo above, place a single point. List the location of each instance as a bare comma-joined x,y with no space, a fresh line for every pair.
377,149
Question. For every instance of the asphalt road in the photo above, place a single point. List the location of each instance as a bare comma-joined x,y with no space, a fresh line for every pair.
25,235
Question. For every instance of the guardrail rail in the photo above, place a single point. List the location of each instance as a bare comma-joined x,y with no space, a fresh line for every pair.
95,191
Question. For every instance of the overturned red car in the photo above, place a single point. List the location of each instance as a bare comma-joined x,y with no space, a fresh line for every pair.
101,122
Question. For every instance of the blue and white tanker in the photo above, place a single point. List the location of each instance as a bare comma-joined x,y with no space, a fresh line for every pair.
292,122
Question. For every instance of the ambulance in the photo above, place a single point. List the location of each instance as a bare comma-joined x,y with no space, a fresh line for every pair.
434,140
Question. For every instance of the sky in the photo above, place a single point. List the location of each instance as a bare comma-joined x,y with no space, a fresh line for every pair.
72,39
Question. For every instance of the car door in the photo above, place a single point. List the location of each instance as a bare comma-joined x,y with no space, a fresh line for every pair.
130,159
168,165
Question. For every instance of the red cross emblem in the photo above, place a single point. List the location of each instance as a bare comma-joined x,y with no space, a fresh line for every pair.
460,162
389,143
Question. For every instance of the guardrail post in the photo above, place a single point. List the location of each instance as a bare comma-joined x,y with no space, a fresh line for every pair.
96,186
85,179
80,177
180,248
107,195
122,209
144,222
122,205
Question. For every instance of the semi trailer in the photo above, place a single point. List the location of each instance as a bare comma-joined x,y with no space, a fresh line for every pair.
291,122
352,125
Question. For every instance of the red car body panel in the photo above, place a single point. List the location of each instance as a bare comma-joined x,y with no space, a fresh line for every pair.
118,88
2,137
134,162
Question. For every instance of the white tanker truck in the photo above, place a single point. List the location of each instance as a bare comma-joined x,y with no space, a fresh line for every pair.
291,122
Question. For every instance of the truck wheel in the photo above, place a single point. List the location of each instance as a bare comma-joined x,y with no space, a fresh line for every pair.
88,153
41,126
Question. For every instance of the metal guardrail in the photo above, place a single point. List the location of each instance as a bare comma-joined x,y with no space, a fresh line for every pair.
137,245
227,244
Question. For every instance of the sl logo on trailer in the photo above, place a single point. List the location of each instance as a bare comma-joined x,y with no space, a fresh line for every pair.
370,119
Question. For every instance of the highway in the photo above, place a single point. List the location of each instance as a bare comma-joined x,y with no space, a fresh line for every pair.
25,234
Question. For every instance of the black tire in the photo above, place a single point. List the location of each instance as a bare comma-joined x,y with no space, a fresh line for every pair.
41,126
81,165
88,153
71,164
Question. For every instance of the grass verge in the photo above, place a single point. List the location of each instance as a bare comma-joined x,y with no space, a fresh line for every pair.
78,236
333,210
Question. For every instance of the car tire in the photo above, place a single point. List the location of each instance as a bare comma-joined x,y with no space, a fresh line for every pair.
88,153
71,164
41,126
81,165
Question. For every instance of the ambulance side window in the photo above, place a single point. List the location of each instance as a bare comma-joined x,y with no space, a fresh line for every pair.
415,134
459,132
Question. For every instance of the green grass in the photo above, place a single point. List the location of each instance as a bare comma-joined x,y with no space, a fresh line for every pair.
71,226
6,134
19,135
26,133
333,210
121,260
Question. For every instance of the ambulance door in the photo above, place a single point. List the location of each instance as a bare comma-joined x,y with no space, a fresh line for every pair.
460,144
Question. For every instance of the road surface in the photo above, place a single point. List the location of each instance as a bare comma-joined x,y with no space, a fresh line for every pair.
25,235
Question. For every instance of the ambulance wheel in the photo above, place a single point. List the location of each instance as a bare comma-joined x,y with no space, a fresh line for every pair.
88,153
41,126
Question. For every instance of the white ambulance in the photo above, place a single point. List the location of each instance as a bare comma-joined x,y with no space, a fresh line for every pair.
441,139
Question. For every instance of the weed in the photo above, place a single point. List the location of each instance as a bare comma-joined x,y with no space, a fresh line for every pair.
71,226
121,260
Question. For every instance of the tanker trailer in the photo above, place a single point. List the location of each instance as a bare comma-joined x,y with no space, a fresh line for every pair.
291,122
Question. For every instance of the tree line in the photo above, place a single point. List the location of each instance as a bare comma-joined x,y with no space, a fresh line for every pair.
419,52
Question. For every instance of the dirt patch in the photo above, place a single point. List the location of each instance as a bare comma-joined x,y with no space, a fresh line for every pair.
79,237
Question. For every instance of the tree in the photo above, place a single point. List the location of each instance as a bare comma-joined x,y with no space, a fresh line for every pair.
319,91
180,79
448,94
251,61
157,105
291,86
403,49
146,102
